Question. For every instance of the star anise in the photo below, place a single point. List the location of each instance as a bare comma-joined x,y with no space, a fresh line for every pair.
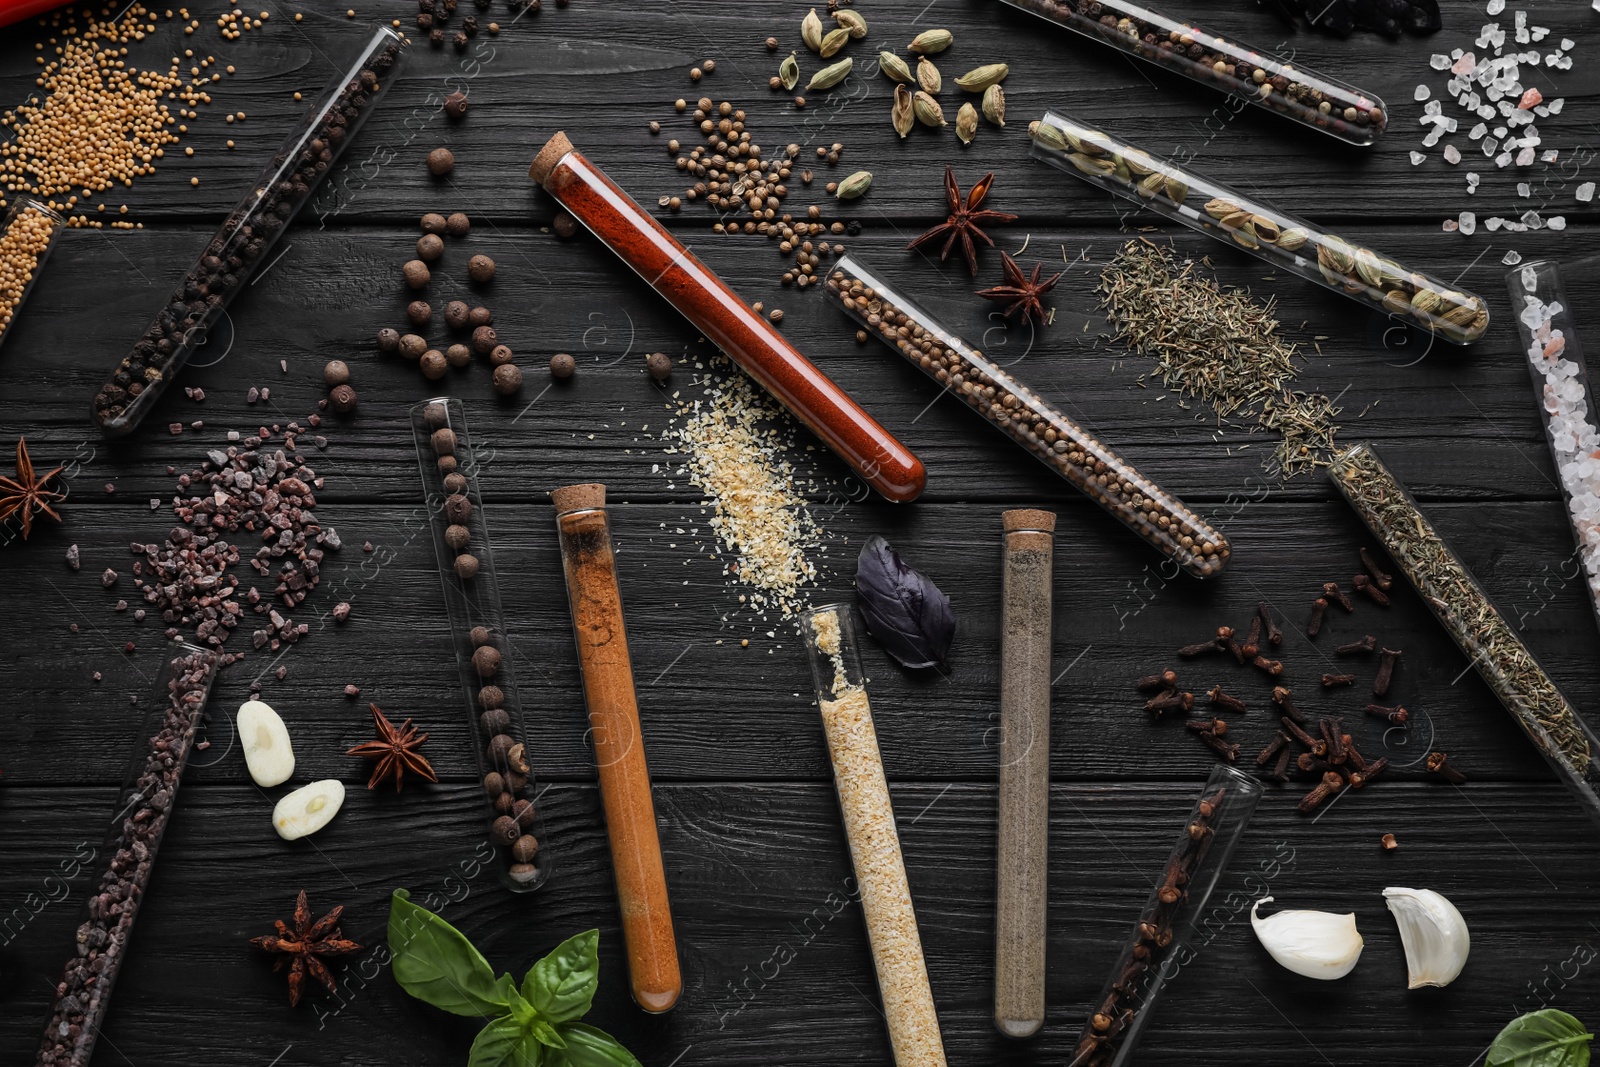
27,494
965,215
304,945
1021,292
395,749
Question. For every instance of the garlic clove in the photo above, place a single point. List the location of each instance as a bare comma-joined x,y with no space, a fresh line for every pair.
268,756
1433,933
1316,944
308,809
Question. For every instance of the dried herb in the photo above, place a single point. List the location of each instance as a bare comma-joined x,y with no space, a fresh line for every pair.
395,750
965,215
1547,1038
904,610
26,494
1021,293
303,946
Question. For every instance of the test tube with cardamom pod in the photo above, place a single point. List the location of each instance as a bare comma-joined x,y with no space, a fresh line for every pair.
1490,644
245,242
28,234
1158,946
1058,442
874,840
1281,239
1021,883
1254,75
590,564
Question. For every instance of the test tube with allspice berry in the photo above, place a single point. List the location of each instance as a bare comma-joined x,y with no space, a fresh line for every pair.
595,598
1027,567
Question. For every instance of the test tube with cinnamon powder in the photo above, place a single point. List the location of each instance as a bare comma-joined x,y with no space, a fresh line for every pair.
727,321
596,601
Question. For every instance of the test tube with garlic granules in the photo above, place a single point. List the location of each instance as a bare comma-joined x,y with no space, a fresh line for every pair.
1024,838
874,842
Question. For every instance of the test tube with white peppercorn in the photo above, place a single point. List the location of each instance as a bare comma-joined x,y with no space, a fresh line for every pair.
244,243
874,841
27,236
1028,419
460,534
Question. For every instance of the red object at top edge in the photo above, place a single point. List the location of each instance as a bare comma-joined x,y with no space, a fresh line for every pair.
17,10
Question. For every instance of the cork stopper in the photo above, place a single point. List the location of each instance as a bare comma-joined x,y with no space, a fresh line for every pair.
549,156
1028,519
579,497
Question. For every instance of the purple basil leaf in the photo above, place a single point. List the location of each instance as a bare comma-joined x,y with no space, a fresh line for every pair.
904,610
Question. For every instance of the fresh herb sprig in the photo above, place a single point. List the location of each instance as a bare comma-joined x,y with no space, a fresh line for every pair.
534,1024
1547,1038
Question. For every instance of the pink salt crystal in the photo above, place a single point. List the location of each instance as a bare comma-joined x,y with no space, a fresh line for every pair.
1465,65
1451,225
1530,99
1556,346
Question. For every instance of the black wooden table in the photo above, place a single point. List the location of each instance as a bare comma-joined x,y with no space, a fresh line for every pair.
749,824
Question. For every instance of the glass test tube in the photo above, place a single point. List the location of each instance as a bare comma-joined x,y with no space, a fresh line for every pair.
1561,376
1472,620
138,824
716,311
28,234
1252,74
1055,440
869,826
460,534
1282,239
247,237
1158,947
618,738
1022,885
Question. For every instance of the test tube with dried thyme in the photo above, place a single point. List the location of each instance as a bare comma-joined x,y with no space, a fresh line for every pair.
1022,889
1027,418
869,827
28,233
1467,613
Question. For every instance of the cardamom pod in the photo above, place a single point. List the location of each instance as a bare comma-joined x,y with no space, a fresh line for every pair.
789,73
967,122
930,41
1047,135
1425,302
1265,229
1138,162
928,76
1334,254
896,68
1329,275
994,104
1150,185
1293,238
1367,268
927,109
1088,148
1219,208
1093,166
1464,311
852,22
855,185
1234,220
978,79
829,76
811,31
1177,189
903,114
835,40
1244,237
1395,302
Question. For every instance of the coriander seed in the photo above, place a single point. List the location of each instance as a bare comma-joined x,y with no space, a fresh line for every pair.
772,44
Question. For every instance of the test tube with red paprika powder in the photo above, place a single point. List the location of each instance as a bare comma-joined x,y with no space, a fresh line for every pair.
596,601
727,321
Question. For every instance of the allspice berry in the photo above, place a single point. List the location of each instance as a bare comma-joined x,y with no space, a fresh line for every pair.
444,444
505,830
480,268
495,721
440,162
455,482
447,464
660,365
430,246
457,508
342,399
416,273
565,225
466,566
507,379
433,222
458,355
484,339
481,635
337,372
500,355
455,314
388,340
456,535
525,848
435,416
420,312
491,696
486,661
458,225
455,105
523,812
562,365
412,346
480,316
500,748
493,783
434,365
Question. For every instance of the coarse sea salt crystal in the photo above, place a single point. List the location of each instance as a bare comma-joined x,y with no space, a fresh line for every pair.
1478,131
1465,65
1432,138
1568,44
1422,93
1417,158
1531,218
1557,104
1585,192
1440,61
1495,7
1550,155
1503,159
1557,222
1512,258
1468,223
1472,178
1493,224
1452,154
1451,226
1525,157
1524,189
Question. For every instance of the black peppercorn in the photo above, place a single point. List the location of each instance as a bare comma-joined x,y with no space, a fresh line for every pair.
342,399
430,246
455,314
480,268
458,225
440,162
460,40
562,365
420,312
507,379
484,339
388,340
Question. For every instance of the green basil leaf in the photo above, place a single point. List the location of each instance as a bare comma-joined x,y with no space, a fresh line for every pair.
546,1034
589,1046
434,962
561,986
505,1043
1547,1038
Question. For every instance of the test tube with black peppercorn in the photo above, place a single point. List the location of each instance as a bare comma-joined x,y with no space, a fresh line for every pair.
1052,438
138,823
477,630
247,237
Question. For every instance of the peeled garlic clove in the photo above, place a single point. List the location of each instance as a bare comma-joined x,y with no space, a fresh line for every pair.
268,755
1316,944
308,809
1434,935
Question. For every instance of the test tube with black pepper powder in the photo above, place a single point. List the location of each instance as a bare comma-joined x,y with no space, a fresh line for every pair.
459,529
247,238
1055,440
1022,890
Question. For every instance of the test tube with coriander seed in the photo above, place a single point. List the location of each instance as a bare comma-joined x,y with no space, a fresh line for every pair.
1022,889
587,557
